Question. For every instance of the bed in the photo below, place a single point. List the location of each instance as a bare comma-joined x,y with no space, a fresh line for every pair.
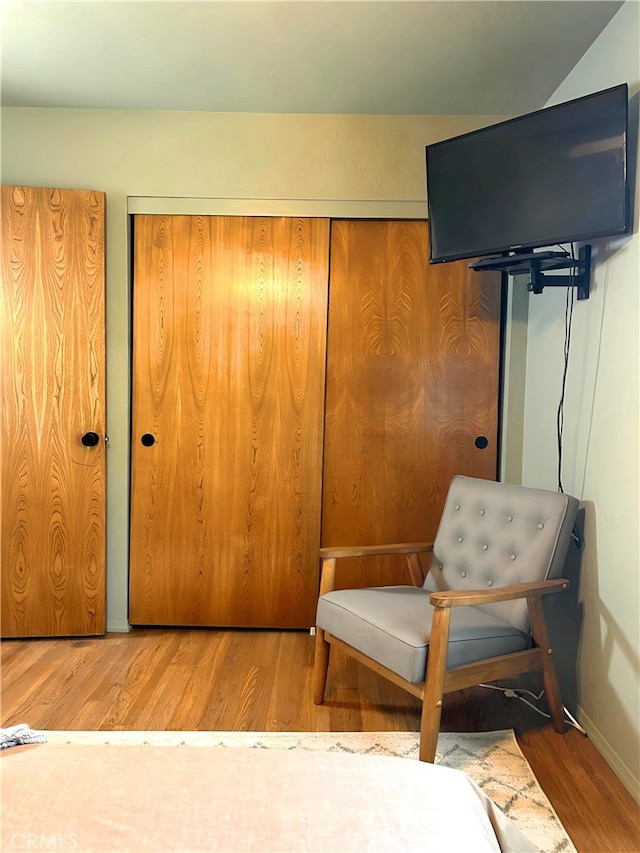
136,798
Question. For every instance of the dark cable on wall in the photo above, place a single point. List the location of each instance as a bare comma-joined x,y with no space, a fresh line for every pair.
568,320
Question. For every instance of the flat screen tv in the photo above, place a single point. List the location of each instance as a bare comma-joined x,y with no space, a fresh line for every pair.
556,175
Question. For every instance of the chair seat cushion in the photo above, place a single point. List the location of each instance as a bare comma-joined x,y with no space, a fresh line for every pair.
392,625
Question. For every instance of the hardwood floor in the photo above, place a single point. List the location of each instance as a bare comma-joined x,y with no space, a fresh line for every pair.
201,679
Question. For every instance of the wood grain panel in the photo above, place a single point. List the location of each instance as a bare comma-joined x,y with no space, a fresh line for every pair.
412,379
229,356
52,386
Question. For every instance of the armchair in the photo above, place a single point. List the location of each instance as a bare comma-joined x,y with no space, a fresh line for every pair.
476,616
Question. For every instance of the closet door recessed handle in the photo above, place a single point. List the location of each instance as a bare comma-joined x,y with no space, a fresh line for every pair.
147,439
481,442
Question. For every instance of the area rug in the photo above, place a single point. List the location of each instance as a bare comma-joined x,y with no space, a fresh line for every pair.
493,760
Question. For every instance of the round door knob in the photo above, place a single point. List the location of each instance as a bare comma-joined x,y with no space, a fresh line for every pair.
148,440
481,442
90,439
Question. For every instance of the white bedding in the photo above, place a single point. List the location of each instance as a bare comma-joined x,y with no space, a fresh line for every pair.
136,798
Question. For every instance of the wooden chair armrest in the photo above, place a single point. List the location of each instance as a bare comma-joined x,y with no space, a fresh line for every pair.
335,552
460,597
328,557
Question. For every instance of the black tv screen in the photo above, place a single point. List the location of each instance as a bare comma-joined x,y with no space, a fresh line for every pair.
552,176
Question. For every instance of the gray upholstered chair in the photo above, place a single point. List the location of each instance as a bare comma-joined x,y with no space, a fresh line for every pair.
477,616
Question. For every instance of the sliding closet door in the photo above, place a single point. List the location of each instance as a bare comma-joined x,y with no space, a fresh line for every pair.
228,395
52,387
412,388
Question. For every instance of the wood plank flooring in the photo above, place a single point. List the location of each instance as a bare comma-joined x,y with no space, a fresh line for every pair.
222,680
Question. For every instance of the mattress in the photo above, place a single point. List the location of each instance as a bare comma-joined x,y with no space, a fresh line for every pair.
154,798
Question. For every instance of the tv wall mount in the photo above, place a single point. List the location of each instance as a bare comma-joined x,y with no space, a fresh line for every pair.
537,266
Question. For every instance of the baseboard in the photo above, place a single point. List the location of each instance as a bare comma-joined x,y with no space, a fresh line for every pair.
622,771
118,627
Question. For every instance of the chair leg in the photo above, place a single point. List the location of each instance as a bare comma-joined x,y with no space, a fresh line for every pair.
429,730
320,667
549,676
434,684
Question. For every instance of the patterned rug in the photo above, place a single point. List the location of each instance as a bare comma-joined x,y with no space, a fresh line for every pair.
493,760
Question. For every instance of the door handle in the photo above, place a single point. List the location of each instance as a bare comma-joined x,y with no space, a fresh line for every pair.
90,439
148,440
481,442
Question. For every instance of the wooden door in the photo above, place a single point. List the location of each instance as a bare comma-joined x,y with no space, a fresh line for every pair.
229,365
52,386
412,382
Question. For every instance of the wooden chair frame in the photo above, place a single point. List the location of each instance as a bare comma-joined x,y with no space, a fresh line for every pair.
440,679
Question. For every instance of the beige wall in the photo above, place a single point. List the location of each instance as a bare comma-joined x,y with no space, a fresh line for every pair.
602,439
205,162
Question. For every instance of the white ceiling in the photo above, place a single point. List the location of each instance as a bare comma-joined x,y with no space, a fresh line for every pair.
491,57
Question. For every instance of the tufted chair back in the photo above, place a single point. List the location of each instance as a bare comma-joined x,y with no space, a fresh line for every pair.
496,534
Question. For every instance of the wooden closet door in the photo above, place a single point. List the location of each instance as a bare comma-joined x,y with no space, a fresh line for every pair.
52,389
229,366
412,381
